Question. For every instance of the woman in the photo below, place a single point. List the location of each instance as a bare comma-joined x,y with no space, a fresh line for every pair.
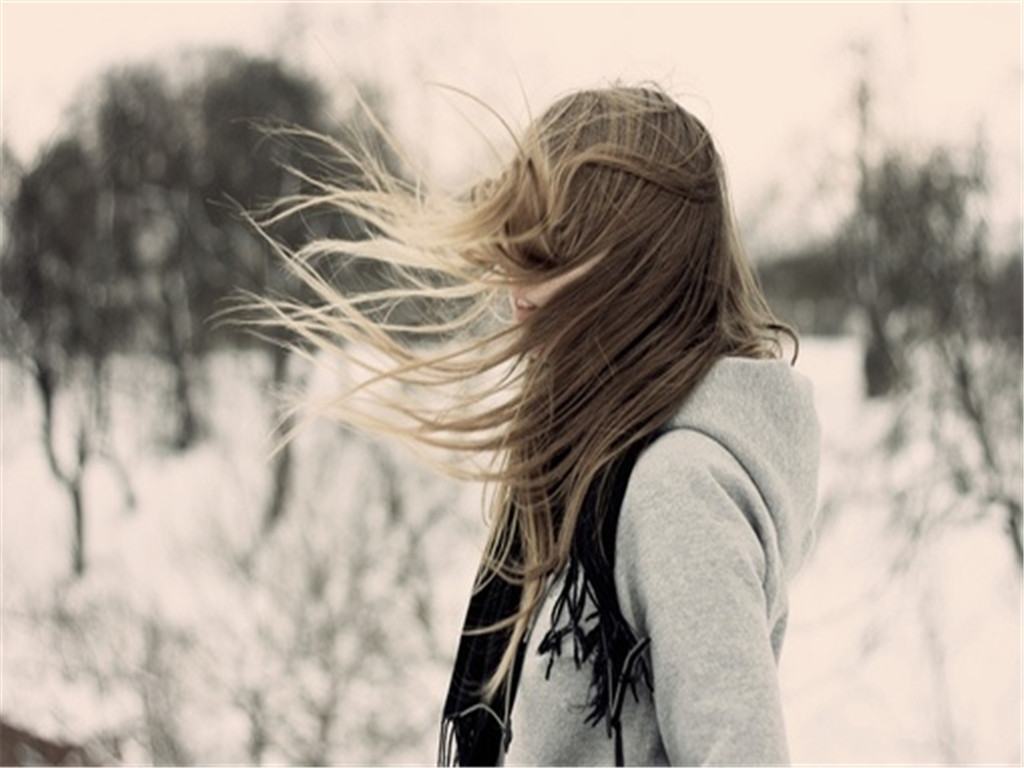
656,458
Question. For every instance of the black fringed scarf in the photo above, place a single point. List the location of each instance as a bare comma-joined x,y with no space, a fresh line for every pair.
474,732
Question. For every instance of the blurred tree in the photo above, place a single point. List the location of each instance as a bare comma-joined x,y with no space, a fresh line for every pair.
804,286
142,191
140,248
9,180
942,316
62,306
350,618
237,104
120,240
234,91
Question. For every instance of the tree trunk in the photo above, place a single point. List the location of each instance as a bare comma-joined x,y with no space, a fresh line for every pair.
158,703
283,461
187,430
1013,529
78,539
256,711
179,354
882,375
45,380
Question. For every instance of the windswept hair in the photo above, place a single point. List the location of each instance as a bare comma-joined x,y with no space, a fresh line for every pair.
622,176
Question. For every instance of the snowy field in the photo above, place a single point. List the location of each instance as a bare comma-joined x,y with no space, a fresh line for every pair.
332,641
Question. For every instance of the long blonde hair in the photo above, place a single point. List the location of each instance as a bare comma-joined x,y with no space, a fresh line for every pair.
620,175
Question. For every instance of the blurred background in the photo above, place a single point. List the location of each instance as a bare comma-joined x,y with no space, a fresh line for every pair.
171,595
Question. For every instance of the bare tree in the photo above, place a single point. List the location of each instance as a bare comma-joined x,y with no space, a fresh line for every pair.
61,320
942,315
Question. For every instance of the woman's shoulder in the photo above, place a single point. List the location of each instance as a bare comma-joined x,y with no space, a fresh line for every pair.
698,574
745,444
675,458
691,512
685,486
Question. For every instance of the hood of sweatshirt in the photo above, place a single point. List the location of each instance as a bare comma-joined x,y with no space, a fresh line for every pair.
763,411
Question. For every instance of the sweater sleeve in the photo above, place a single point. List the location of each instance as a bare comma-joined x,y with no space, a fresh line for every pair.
690,572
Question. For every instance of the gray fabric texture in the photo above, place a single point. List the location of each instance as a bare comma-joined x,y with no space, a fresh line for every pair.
718,517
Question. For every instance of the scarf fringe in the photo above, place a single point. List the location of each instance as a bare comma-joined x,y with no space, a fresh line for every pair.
447,747
608,684
617,655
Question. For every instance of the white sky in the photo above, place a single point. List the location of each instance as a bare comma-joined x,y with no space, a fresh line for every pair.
773,81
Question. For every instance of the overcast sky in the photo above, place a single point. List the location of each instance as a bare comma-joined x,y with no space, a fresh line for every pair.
772,81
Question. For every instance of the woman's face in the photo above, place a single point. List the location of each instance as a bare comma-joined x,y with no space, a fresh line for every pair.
525,300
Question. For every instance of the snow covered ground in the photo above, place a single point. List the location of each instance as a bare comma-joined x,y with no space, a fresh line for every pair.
333,641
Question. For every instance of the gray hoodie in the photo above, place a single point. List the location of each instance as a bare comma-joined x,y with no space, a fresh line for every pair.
717,518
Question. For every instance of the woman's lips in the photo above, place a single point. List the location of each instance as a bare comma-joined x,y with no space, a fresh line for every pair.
521,310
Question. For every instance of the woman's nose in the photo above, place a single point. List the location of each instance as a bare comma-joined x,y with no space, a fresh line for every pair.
519,297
